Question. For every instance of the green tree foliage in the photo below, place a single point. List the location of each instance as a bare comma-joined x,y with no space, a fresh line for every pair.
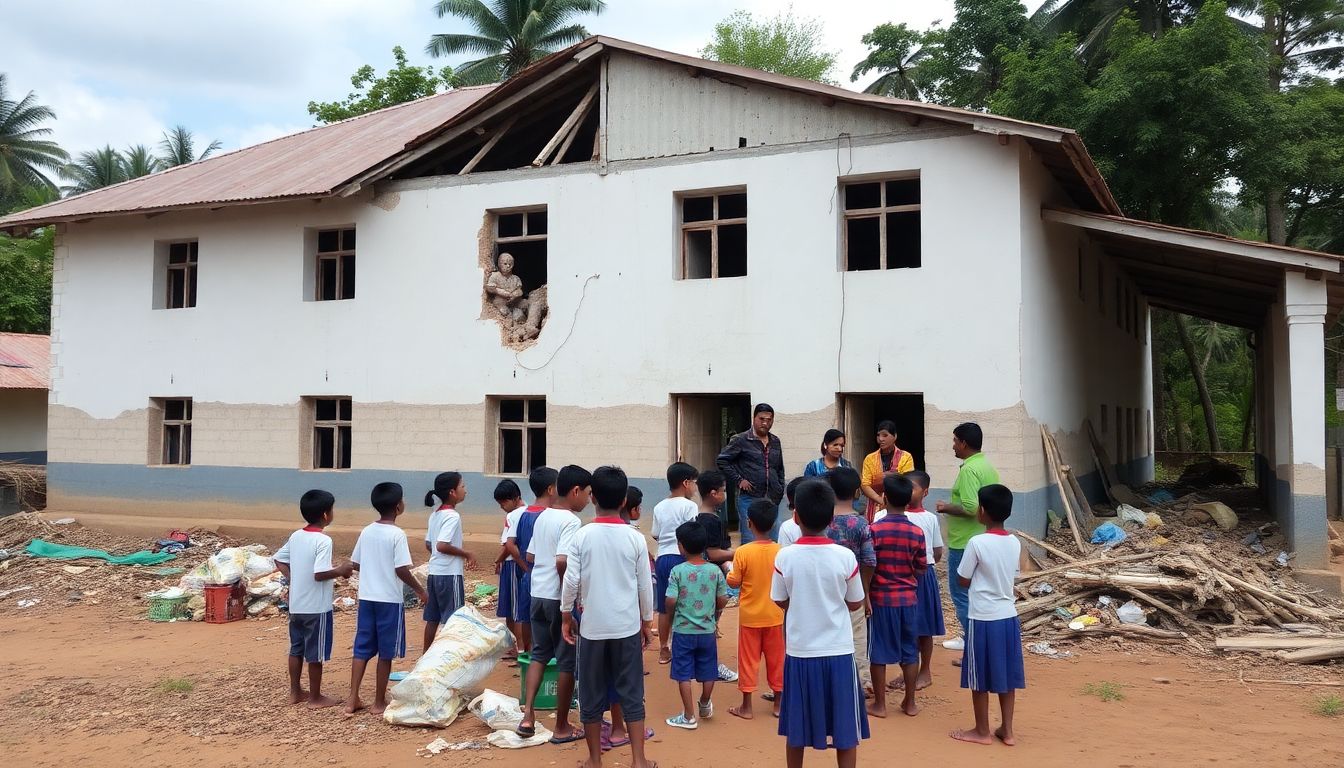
178,147
94,169
139,160
401,84
25,291
783,44
25,152
509,35
1092,22
894,50
963,65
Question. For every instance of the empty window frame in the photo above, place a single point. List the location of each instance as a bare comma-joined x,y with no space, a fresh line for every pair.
331,432
181,275
175,444
521,427
522,234
335,270
713,235
882,224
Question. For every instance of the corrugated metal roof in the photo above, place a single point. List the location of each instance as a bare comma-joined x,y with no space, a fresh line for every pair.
312,163
25,361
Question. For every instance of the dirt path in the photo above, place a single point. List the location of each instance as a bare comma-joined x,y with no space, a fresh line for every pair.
87,684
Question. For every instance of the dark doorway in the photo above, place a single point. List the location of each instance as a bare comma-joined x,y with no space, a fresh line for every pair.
860,415
704,424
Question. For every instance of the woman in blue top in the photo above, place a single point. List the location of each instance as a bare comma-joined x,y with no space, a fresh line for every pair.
832,456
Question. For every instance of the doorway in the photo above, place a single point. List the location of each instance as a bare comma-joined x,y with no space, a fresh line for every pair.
861,413
704,424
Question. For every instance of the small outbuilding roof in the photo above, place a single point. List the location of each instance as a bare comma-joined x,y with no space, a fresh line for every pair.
25,361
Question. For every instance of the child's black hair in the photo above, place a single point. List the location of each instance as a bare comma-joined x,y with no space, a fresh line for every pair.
709,482
573,476
792,488
314,504
845,482
919,477
507,490
997,501
693,537
830,437
887,425
540,481
444,484
815,504
679,473
898,490
385,497
633,498
763,513
970,433
609,485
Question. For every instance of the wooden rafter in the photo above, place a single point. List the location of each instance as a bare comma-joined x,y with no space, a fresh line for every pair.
488,145
570,124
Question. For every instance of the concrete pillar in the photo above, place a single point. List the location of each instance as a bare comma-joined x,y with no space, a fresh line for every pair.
1301,477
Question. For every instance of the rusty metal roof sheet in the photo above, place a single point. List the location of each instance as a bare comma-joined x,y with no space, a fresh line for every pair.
25,361
312,163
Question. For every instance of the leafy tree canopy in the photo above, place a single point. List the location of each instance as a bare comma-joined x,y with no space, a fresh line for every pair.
401,84
783,44
509,35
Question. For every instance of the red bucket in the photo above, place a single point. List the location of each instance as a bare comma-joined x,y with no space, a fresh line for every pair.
225,602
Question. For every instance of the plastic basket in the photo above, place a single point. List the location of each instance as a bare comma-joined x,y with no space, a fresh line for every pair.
168,608
547,694
225,602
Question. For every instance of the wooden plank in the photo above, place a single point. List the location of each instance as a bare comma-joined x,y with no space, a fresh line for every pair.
600,140
565,127
1061,554
1064,491
573,134
488,145
1272,643
1312,655
1102,460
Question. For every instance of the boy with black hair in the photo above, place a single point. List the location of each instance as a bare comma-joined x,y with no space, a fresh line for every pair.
510,500
850,530
668,515
713,487
894,593
695,596
542,481
634,507
929,607
382,558
822,704
608,571
550,539
760,630
789,532
992,661
305,560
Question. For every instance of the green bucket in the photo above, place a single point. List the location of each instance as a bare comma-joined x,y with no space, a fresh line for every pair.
547,694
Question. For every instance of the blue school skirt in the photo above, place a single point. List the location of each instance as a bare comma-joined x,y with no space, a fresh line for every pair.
992,660
508,586
822,703
929,609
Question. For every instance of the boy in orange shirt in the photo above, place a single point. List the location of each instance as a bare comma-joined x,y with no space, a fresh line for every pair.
761,620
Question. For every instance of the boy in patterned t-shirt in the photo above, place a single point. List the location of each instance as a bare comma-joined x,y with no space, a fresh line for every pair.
696,593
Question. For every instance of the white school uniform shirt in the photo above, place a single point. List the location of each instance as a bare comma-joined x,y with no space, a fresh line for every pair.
445,524
308,552
817,576
510,526
608,571
991,563
933,531
789,532
552,535
668,515
379,552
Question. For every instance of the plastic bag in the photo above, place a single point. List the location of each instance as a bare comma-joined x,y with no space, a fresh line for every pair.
452,671
1131,613
257,566
511,740
1128,514
1108,534
497,710
269,585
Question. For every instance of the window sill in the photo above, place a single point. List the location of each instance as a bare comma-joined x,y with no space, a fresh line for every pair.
709,279
172,309
168,466
325,469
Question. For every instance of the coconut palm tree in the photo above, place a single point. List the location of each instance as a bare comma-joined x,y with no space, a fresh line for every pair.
179,148
895,51
24,153
94,169
139,161
510,34
1093,20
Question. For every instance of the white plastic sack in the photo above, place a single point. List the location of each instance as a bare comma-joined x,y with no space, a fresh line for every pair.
257,566
497,710
1131,613
451,672
511,740
1128,514
269,585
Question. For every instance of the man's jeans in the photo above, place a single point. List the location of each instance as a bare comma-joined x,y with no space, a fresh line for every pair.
743,503
961,597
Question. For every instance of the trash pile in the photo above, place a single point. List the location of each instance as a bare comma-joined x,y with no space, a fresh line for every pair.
266,588
451,672
29,482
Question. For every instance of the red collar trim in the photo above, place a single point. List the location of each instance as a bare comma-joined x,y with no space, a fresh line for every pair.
535,508
444,506
609,521
312,529
814,540
998,531
921,509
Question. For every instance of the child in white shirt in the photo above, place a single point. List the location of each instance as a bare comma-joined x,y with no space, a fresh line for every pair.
789,531
930,607
668,515
448,561
510,500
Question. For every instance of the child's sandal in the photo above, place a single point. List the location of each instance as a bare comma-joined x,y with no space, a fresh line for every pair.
679,721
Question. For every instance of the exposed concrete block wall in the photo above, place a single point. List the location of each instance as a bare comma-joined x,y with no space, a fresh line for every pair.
635,437
243,435
75,437
420,437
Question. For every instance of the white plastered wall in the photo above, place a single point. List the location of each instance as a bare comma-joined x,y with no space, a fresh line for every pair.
23,420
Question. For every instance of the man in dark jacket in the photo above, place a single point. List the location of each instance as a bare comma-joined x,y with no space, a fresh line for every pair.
754,462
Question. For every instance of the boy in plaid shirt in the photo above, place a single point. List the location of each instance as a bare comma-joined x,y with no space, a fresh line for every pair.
901,561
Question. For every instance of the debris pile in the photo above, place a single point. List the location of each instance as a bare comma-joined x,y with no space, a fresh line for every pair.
29,482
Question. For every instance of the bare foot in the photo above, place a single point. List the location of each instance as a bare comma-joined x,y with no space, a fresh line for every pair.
775,711
877,709
353,705
1006,738
741,712
322,702
956,662
378,709
923,682
910,708
972,736
298,698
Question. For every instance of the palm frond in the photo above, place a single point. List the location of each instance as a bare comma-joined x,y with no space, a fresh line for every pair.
477,14
481,71
563,37
448,45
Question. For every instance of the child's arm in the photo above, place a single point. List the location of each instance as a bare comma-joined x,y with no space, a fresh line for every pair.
670,603
969,560
511,547
343,571
938,553
718,556
448,549
735,575
283,568
866,577
408,578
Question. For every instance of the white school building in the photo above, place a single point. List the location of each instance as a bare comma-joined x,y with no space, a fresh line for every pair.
309,312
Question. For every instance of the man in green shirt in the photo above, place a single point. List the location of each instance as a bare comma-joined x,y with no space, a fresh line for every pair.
961,521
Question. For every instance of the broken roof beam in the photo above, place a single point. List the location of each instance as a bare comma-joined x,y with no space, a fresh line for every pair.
488,145
570,126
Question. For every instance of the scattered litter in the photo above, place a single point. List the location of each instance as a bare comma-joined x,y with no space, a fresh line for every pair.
1219,512
40,548
511,739
440,745
451,672
1128,514
1047,650
63,521
1083,622
1131,613
1161,496
165,571
171,593
1043,588
344,604
1152,520
497,710
1108,534
5,555
29,602
1283,559
8,592
1065,614
75,570
398,676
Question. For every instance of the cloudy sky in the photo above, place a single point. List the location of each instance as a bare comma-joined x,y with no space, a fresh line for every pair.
243,71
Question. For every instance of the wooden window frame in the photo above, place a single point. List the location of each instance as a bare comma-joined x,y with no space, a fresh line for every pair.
525,426
526,237
710,225
879,213
338,439
333,260
188,269
183,428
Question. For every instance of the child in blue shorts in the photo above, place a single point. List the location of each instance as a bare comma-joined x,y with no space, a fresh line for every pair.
383,560
696,593
992,659
510,500
448,560
893,634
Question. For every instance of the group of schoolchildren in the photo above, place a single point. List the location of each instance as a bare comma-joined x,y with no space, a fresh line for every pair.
828,608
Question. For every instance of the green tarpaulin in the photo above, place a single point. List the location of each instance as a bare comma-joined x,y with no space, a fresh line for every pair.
40,548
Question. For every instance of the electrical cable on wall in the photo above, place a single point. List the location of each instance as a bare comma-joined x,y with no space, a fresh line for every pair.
840,346
583,294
